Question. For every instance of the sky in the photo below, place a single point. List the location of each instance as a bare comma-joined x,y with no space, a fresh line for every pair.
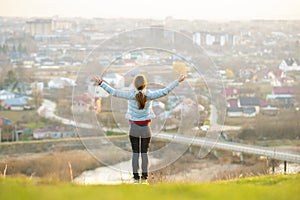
156,9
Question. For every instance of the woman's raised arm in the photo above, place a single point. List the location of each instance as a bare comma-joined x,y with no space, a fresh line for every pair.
112,91
163,92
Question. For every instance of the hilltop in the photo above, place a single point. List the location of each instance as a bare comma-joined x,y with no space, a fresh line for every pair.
264,187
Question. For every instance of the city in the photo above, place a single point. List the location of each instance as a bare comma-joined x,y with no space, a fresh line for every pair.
249,70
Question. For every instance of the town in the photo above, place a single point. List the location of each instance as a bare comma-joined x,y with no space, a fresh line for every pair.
258,62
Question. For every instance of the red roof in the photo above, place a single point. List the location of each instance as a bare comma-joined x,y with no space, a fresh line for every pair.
86,98
263,103
278,73
233,103
283,90
231,91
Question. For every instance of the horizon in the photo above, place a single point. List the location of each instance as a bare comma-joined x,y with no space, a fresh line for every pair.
213,10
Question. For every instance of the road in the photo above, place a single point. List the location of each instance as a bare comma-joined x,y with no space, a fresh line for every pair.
214,126
270,152
47,110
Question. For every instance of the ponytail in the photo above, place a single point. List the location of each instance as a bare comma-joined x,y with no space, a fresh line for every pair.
140,84
141,100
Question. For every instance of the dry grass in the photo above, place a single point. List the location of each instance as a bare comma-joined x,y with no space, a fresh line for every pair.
53,165
16,115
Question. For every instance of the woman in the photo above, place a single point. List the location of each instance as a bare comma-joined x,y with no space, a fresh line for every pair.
139,114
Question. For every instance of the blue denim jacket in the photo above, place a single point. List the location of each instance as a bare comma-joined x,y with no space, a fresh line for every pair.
133,112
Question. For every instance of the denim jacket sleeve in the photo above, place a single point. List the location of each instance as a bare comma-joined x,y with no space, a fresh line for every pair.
117,93
155,94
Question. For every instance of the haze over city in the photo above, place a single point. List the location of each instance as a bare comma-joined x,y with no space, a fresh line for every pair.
189,9
219,101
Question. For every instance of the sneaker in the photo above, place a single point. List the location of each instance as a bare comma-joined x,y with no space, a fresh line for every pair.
136,181
145,181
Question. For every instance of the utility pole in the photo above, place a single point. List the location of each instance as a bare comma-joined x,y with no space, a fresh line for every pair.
0,135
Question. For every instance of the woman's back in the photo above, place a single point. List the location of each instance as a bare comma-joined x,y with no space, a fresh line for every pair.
133,111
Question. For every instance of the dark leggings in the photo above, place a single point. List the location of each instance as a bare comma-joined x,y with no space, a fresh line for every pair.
140,146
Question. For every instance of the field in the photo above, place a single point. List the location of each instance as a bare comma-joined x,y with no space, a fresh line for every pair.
16,115
264,187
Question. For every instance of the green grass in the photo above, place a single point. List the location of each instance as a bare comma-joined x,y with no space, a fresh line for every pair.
258,188
34,125
112,133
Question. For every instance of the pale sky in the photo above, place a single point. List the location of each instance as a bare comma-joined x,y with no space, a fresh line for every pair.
157,9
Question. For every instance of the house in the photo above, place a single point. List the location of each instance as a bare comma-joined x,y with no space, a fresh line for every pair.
39,86
96,91
60,83
12,101
28,62
283,100
282,96
4,94
232,103
283,91
4,121
231,93
234,112
186,106
249,112
269,110
115,80
249,102
290,64
275,77
83,103
19,103
53,133
261,76
241,112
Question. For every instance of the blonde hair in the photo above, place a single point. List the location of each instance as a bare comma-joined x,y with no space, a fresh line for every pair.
140,83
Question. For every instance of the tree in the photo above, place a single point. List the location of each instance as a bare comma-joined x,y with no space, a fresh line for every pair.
11,78
37,98
179,68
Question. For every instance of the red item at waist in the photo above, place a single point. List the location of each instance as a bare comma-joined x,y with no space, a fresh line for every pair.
140,122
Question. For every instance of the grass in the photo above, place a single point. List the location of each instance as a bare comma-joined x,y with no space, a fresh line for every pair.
34,125
16,115
281,142
264,188
112,133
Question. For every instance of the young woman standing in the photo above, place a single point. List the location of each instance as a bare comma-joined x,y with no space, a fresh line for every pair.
139,114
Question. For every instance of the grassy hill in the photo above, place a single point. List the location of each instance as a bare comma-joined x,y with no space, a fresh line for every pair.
265,187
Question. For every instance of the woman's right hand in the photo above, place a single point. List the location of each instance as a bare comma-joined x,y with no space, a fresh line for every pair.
98,80
181,78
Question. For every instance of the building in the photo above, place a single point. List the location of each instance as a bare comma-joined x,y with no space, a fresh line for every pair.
281,100
83,103
234,112
39,27
231,93
53,133
18,103
276,77
290,64
283,91
211,38
4,94
115,80
249,102
241,112
61,24
60,83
